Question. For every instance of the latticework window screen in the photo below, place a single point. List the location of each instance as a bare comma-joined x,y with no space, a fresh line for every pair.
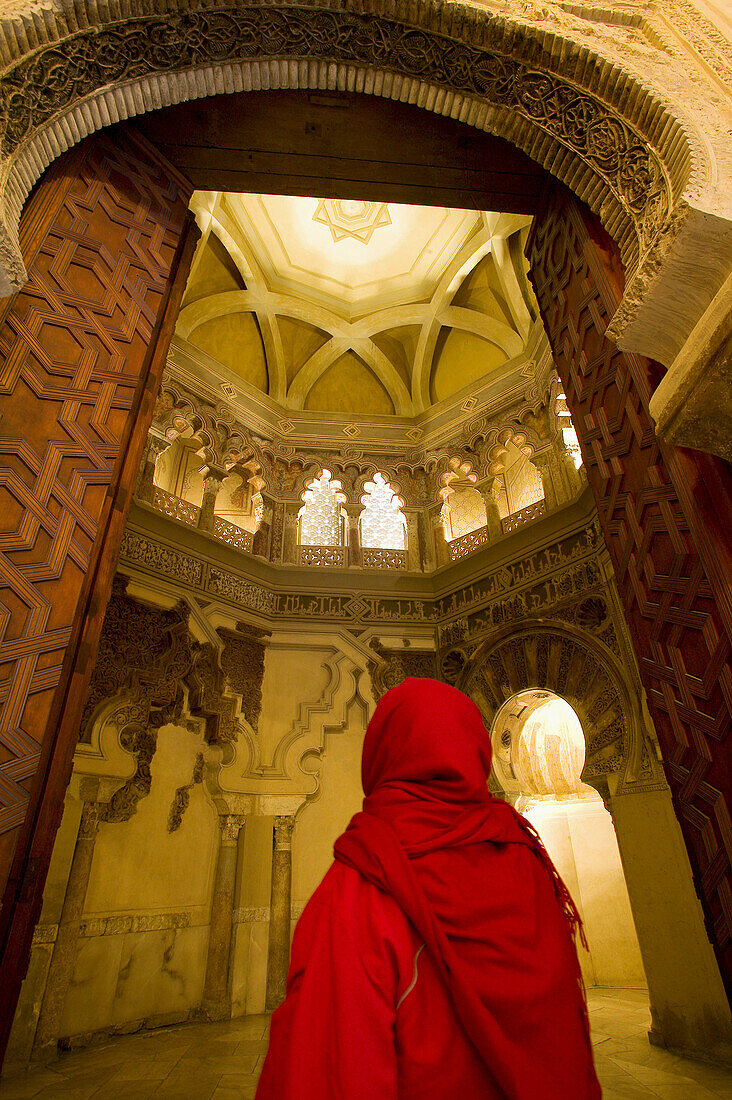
523,485
321,516
463,511
383,526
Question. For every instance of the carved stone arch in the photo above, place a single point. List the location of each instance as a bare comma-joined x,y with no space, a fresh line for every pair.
568,106
571,663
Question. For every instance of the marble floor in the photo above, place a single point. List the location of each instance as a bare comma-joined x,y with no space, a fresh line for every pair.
223,1061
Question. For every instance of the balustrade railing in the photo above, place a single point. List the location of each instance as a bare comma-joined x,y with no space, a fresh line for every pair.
175,507
468,544
322,555
373,558
235,536
526,515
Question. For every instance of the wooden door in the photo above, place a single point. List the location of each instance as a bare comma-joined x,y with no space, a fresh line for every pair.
107,240
667,520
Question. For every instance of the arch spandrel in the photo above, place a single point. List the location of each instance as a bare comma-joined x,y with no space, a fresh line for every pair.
579,111
571,663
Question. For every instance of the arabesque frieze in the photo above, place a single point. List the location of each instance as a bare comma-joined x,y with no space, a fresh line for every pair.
547,578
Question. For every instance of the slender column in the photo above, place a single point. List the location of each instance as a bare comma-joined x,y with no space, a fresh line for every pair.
146,481
414,558
289,543
262,536
66,947
442,551
493,516
572,477
213,479
278,530
426,542
216,1003
543,463
353,539
278,960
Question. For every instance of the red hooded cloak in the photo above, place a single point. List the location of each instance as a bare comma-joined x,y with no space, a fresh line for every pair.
435,960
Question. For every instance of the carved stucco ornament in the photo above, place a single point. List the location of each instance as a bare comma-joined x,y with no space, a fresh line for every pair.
54,78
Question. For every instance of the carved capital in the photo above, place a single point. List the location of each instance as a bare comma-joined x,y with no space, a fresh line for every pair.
230,825
283,827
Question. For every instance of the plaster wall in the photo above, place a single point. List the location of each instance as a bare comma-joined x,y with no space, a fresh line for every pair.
143,947
579,837
324,817
294,677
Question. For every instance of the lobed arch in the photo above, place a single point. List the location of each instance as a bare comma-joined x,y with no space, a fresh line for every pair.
571,663
576,111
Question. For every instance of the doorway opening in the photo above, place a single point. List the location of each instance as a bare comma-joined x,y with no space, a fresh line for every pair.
538,757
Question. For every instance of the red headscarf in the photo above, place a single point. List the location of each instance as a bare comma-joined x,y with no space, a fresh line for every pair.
426,761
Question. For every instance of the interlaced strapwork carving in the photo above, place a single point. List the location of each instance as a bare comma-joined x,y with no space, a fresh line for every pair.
681,632
73,345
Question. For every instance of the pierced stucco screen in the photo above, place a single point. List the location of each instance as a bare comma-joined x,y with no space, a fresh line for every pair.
523,485
463,512
321,516
383,526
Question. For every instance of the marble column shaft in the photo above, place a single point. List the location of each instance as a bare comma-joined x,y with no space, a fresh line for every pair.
278,960
146,481
213,479
216,989
544,464
353,535
65,949
493,516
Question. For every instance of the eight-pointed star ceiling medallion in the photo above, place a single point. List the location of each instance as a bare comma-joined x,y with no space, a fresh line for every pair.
352,218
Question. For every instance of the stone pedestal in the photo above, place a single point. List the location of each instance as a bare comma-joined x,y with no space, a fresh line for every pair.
216,1003
65,949
213,479
278,959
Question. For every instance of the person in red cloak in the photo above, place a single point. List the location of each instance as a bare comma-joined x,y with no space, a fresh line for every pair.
436,960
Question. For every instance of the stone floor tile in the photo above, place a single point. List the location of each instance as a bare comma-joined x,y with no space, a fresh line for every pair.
222,1061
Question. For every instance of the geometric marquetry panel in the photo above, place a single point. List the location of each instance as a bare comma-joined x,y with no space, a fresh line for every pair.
662,545
100,234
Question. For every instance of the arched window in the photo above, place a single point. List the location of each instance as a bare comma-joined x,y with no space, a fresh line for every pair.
321,516
464,511
383,526
524,486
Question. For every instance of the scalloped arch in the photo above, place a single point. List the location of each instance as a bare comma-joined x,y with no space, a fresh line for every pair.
575,666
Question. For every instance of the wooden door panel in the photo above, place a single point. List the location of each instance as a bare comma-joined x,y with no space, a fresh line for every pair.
106,237
666,519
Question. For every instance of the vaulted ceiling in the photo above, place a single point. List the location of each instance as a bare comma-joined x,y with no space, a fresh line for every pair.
352,308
